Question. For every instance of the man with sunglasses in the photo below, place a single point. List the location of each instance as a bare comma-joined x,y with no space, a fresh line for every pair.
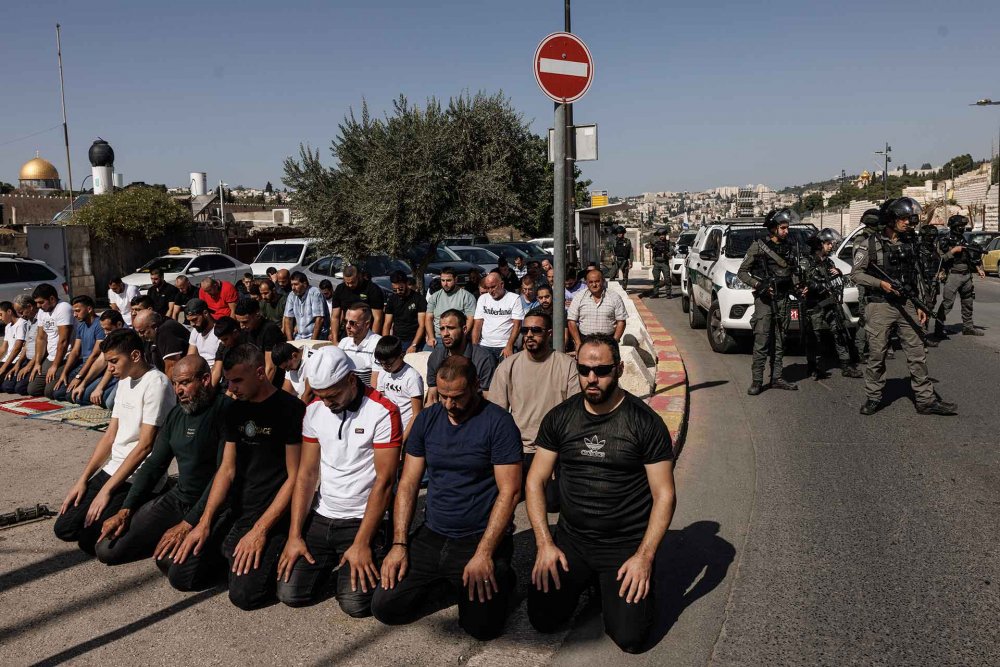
884,261
616,488
360,341
533,381
768,268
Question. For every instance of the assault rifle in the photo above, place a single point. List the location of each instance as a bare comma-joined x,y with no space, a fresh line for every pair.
834,301
905,291
973,251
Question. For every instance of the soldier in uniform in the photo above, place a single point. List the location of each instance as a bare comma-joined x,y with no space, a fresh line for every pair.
662,251
768,268
622,249
880,263
929,264
959,264
870,220
820,305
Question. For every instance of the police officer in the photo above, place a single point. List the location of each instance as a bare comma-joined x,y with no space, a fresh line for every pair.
871,222
929,263
622,250
768,268
822,307
880,263
662,251
959,264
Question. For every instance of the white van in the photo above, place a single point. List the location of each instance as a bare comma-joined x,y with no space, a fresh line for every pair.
291,254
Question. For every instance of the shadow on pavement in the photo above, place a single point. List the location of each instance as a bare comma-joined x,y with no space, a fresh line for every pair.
707,385
41,569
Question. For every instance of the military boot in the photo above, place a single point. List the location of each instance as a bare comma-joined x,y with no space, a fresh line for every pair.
972,331
870,407
782,383
755,388
849,371
938,407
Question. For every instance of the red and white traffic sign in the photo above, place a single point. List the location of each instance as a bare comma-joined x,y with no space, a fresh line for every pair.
564,69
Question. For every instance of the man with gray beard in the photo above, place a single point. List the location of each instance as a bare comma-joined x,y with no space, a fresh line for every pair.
144,527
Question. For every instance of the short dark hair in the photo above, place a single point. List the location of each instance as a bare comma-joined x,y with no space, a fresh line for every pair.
325,284
349,271
84,299
527,279
270,270
388,347
501,261
458,366
544,286
244,354
112,316
226,325
6,305
602,339
247,307
142,301
300,277
397,277
538,312
156,272
268,282
363,307
125,341
457,314
248,274
282,352
115,280
44,291
450,270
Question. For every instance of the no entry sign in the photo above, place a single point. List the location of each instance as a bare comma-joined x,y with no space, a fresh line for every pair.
564,69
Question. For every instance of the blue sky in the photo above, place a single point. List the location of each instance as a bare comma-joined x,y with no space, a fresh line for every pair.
687,95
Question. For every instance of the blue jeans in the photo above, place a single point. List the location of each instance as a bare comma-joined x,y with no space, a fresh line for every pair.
107,399
405,343
495,352
61,394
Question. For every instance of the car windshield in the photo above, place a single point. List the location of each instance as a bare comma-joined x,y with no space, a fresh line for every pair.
280,253
168,264
738,240
531,250
686,238
508,251
979,238
477,255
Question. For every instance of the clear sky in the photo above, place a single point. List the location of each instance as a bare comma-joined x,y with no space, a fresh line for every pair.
687,95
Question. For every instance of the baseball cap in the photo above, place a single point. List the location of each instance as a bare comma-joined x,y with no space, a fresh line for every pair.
328,366
195,306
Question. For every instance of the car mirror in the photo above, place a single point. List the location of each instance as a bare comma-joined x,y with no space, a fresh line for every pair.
193,269
708,255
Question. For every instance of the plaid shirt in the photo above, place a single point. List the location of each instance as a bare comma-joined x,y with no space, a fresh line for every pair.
597,316
305,310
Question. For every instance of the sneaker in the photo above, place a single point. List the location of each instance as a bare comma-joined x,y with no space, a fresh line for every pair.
938,407
851,372
781,383
972,331
755,388
870,407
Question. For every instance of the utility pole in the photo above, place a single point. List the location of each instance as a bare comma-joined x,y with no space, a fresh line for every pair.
560,207
222,205
572,241
62,95
885,169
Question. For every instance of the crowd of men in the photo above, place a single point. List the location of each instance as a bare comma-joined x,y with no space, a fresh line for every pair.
299,465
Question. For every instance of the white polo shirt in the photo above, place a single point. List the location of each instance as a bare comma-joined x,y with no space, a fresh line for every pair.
137,402
17,330
124,301
298,377
400,387
362,354
206,344
30,337
498,317
347,444
61,316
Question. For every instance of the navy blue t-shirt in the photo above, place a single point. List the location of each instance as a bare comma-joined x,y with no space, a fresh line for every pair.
461,488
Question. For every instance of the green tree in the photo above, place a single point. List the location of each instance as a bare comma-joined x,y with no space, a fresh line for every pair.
6,188
268,188
926,165
418,175
138,212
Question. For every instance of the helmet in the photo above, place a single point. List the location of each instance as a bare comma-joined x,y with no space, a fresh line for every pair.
871,218
928,233
815,242
779,216
902,208
662,231
828,234
958,223
619,230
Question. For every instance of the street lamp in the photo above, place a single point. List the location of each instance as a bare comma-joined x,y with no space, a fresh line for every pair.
987,102
85,180
885,169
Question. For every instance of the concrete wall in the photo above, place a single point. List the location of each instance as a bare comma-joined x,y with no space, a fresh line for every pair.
30,209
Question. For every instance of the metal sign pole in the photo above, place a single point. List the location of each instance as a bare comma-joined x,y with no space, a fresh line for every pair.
559,231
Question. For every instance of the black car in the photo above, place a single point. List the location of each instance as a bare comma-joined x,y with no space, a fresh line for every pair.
443,257
512,249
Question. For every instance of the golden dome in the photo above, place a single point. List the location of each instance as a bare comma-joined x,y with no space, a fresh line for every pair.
38,169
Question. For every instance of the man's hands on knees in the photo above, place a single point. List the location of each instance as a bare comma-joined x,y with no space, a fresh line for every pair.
193,543
248,550
479,578
295,548
115,525
394,566
636,576
75,495
171,541
363,570
547,562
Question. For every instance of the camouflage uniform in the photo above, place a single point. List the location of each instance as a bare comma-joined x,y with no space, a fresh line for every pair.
771,313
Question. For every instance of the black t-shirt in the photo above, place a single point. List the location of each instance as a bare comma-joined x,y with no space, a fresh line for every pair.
266,336
406,312
366,292
261,431
182,297
162,297
602,479
171,342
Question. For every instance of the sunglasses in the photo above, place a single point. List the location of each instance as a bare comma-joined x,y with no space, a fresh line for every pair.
386,363
354,323
534,330
604,370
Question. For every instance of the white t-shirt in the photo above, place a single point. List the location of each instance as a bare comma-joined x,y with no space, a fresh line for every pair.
124,301
400,387
61,315
498,317
347,444
298,377
206,344
30,337
362,354
12,333
137,402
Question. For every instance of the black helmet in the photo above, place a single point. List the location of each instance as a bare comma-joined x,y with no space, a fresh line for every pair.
928,233
902,208
619,230
871,218
662,231
779,216
815,242
827,234
958,223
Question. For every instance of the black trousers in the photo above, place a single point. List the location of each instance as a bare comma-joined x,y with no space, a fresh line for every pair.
69,526
628,625
435,561
146,528
327,540
551,489
256,588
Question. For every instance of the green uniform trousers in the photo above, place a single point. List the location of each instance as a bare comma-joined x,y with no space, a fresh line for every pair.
881,316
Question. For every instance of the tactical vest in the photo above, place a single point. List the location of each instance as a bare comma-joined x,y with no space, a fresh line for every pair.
771,267
959,263
896,259
660,250
623,248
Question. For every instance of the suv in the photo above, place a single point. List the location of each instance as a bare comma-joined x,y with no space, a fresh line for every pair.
713,295
21,275
196,263
291,254
681,247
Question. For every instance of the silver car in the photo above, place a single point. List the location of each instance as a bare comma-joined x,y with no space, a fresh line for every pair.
21,275
481,256
195,263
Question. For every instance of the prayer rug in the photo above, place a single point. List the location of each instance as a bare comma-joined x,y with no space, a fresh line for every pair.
32,405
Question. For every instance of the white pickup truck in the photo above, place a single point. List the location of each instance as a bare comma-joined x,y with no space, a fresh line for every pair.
716,299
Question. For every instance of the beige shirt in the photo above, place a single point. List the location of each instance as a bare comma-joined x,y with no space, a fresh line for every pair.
529,389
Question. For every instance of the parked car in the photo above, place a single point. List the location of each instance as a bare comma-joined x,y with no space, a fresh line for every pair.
530,250
681,247
196,263
379,267
719,301
21,275
546,243
291,254
991,259
465,239
443,257
476,255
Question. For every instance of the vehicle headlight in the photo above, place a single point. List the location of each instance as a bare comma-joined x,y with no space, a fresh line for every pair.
733,281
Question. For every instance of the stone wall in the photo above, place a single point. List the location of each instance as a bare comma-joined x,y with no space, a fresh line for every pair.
30,209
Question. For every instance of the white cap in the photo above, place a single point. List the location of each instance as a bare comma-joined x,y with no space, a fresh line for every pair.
328,366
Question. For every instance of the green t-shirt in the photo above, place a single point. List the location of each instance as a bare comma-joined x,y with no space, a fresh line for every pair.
275,312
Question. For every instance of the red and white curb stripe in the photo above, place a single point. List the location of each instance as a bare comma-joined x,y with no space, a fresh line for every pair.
670,395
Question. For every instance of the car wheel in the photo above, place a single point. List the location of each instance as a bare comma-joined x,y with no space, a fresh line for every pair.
696,319
685,304
720,341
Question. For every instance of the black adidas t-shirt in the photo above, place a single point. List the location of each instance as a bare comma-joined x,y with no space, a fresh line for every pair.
605,496
261,431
